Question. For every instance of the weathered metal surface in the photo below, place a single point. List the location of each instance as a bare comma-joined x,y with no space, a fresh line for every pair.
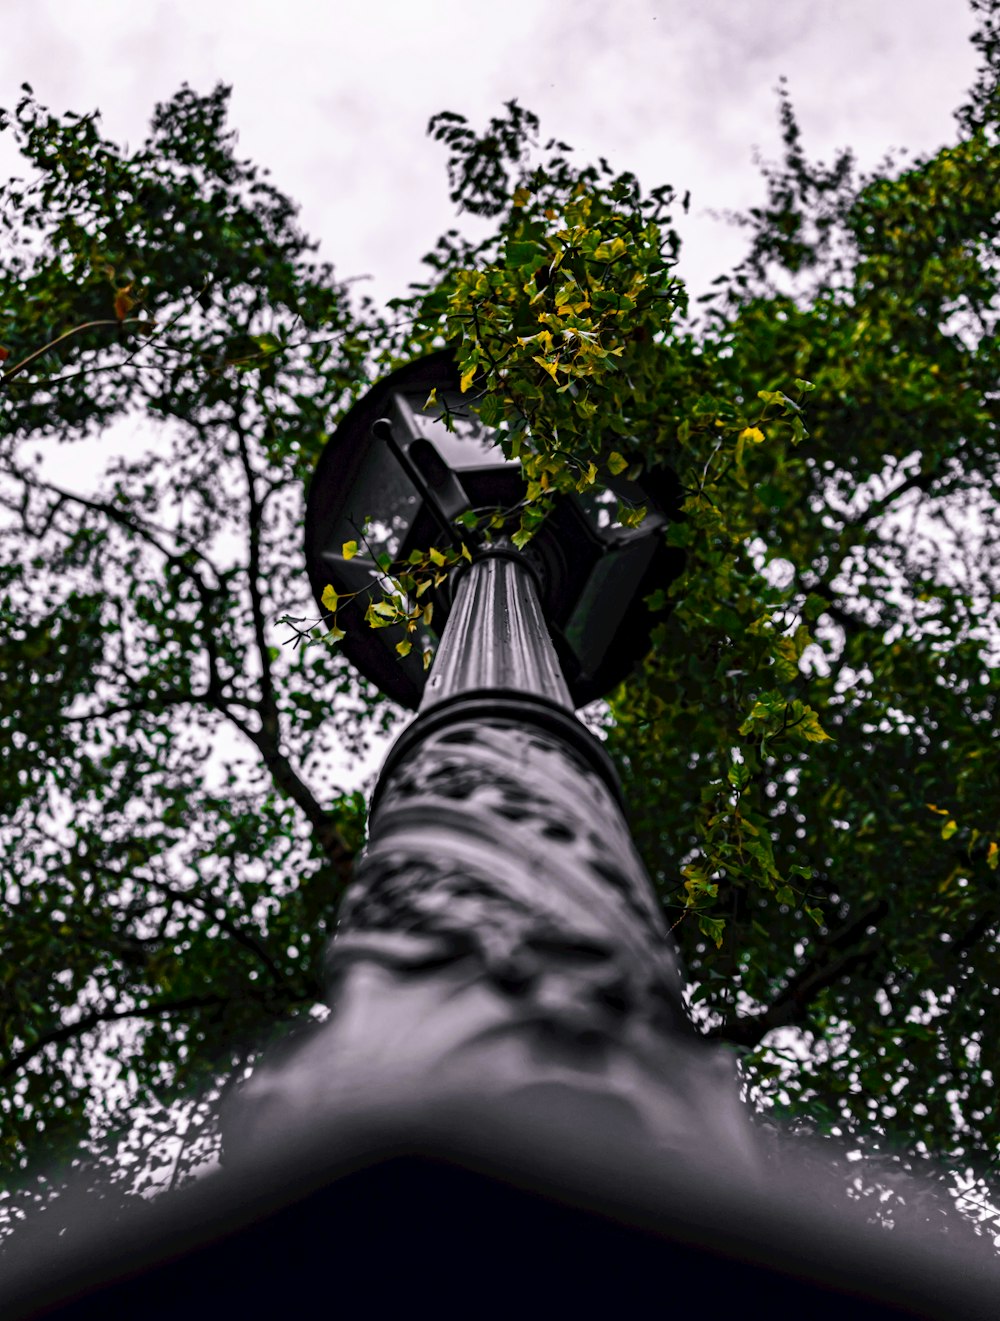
496,636
502,946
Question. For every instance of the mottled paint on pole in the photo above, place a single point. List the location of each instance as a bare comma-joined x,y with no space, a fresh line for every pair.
502,945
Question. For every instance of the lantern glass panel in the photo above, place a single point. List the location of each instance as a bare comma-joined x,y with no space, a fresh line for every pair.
380,485
466,445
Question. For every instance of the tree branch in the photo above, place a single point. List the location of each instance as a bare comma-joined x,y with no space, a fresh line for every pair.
238,933
214,696
853,532
289,782
117,322
153,703
67,1031
268,708
267,738
827,967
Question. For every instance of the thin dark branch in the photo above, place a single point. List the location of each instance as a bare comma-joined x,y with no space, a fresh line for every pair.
117,323
128,521
214,696
88,1022
268,709
154,702
289,782
839,954
239,933
918,481
267,738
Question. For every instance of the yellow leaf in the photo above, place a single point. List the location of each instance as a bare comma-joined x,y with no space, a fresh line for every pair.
466,553
632,517
550,367
374,619
948,829
521,196
752,433
946,883
993,856
588,478
329,598
123,302
609,251
467,379
405,647
616,463
436,556
349,549
427,658
810,728
786,667
428,613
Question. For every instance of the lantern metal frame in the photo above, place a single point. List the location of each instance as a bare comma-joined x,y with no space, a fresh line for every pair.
415,470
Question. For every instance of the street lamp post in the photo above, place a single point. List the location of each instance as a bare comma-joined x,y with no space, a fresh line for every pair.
502,950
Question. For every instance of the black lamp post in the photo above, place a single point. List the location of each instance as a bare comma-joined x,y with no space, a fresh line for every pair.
500,898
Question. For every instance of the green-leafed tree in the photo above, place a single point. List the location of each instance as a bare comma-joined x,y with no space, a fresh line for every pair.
807,751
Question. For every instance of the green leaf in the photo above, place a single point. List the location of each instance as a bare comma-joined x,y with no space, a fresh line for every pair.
814,607
712,927
738,775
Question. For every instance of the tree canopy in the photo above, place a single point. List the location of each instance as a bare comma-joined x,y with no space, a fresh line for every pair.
807,751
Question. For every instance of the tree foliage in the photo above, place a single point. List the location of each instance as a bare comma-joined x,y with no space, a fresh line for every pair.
808,749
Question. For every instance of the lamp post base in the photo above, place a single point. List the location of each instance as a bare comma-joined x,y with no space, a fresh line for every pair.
478,1213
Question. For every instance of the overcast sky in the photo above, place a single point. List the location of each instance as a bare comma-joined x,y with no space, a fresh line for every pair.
335,97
